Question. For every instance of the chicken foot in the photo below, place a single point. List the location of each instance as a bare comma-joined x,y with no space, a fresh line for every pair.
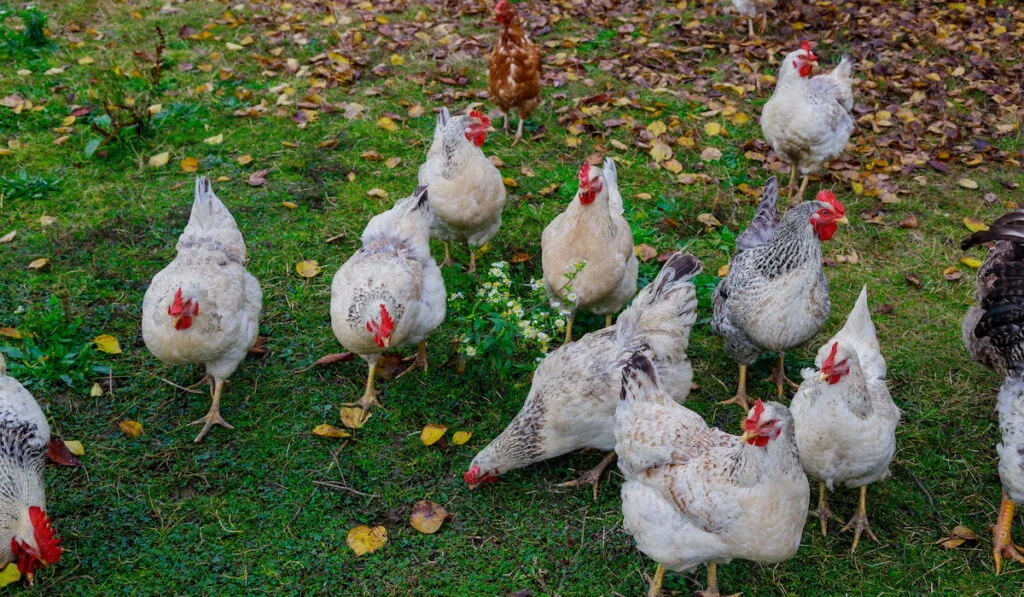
213,416
779,377
654,590
608,320
750,27
593,476
1002,543
369,395
740,398
419,361
712,590
568,329
824,513
859,522
519,131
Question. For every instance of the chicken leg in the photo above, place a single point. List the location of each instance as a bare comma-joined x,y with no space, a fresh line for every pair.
655,588
369,395
472,261
506,122
1002,543
568,329
779,376
803,186
447,255
741,392
824,513
791,187
750,27
419,361
213,416
519,131
712,590
764,22
608,320
859,522
593,476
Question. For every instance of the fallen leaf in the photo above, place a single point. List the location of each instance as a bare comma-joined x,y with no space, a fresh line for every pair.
8,237
723,271
974,224
38,263
957,537
108,344
307,268
427,517
416,111
130,428
75,447
244,159
96,390
645,252
397,60
9,575
160,159
289,205
353,417
712,129
392,162
257,178
431,433
913,280
363,540
45,221
709,221
970,262
378,193
673,166
910,221
337,357
10,333
657,128
711,154
387,124
214,140
520,257
952,274
189,164
660,151
330,431
461,437
85,60
967,183
643,196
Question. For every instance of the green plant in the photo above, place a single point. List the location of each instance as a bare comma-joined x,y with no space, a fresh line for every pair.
505,320
28,186
30,36
52,349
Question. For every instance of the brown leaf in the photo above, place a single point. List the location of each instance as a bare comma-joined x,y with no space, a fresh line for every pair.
957,537
645,252
390,365
520,257
909,221
257,178
913,280
951,273
337,357
885,309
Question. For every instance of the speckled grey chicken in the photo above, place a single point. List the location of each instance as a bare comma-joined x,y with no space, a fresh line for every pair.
993,332
808,120
571,404
390,292
27,537
204,307
775,296
696,495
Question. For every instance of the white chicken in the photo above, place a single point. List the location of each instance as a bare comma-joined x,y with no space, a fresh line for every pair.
204,308
845,418
27,537
593,232
390,292
808,119
467,193
575,389
695,495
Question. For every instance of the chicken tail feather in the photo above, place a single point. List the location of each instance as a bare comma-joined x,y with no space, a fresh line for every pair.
208,212
766,219
639,378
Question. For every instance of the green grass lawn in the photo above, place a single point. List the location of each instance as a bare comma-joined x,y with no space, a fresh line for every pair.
245,512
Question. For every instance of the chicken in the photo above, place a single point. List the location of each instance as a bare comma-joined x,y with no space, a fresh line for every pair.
752,8
695,495
993,333
467,193
390,292
513,72
808,119
777,271
27,536
593,232
845,418
571,404
205,307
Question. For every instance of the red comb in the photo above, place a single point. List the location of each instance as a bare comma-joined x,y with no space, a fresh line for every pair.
46,536
480,115
470,476
806,47
381,329
584,175
501,6
177,301
830,198
831,360
750,425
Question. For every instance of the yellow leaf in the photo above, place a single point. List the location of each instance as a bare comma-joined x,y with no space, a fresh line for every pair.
75,447
189,164
712,129
461,437
244,159
740,118
84,60
397,60
130,428
431,433
8,237
572,141
155,109
10,333
974,224
858,188
9,574
970,262
392,162
39,263
709,220
362,539
233,47
307,268
378,193
214,140
427,517
96,390
660,151
657,128
45,221
159,159
108,344
68,121
967,183
288,204
387,124
416,111
325,430
353,417
723,271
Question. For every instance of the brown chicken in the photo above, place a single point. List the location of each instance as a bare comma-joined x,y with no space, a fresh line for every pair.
513,75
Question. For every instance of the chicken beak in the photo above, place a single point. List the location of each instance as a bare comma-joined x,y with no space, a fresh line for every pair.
473,485
490,129
843,221
747,436
387,342
174,321
822,376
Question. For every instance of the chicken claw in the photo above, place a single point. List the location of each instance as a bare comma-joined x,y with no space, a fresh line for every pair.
778,376
741,392
593,476
824,513
859,522
419,361
213,416
1002,544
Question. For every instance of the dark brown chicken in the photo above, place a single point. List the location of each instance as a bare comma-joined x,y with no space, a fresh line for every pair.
513,75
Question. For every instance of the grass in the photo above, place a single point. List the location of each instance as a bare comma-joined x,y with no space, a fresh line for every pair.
241,513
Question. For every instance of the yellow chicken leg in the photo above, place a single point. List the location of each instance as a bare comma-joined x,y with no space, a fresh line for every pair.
568,329
213,416
1002,543
369,396
447,255
608,320
519,131
779,377
659,576
712,590
859,522
593,476
740,398
803,186
824,513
